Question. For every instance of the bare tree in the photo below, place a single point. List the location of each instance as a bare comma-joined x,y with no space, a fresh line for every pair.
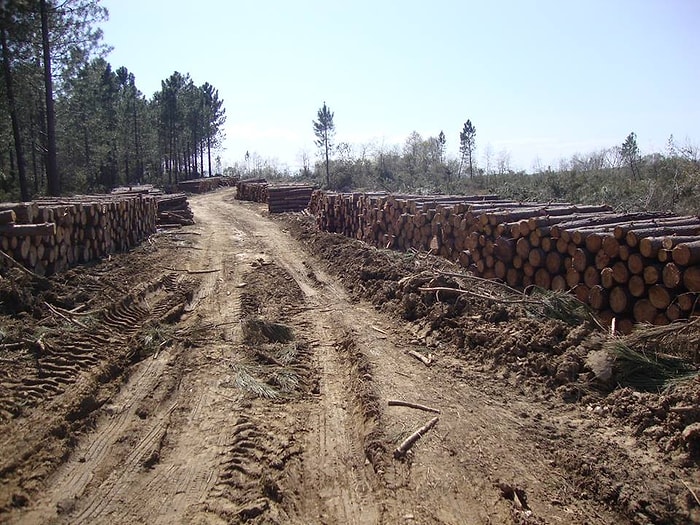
503,162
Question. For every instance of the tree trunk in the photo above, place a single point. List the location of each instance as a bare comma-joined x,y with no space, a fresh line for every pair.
328,172
22,175
209,153
52,178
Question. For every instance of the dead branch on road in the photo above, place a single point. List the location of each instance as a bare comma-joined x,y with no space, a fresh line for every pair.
399,403
410,440
426,360
191,272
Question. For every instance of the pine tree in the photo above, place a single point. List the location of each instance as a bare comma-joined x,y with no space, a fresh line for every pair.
324,129
630,152
467,144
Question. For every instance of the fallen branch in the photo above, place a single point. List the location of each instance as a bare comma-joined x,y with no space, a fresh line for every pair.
71,313
9,346
65,317
192,272
399,403
481,279
21,267
427,360
695,496
475,294
378,329
683,409
410,440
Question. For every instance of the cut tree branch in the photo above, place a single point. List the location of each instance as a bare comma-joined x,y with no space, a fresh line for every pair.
399,403
410,440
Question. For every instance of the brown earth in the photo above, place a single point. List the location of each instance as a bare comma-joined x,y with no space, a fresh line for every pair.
239,370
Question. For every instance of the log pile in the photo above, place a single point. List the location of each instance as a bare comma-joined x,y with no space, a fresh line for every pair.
641,267
288,198
252,190
203,185
174,210
52,234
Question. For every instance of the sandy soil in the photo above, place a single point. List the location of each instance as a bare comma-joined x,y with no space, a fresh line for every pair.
240,370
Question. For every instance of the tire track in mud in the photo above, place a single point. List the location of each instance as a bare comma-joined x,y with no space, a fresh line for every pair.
136,467
75,369
61,358
114,338
338,482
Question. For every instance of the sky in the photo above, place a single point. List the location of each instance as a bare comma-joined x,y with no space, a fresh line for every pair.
539,79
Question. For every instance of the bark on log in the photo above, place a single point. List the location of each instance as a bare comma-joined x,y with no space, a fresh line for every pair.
633,237
670,241
7,216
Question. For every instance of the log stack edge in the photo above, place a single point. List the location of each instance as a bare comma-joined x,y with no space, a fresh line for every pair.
50,235
635,267
280,198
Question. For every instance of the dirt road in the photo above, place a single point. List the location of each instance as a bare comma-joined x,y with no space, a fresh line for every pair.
267,401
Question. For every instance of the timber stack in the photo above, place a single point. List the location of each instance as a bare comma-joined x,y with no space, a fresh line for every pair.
174,211
288,198
252,190
635,267
52,234
204,184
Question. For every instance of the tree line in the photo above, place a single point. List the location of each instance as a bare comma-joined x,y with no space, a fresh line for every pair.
73,123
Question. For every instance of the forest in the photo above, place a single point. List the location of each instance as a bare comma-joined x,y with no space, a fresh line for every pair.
72,123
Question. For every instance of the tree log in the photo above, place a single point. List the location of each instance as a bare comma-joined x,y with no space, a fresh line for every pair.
620,299
659,296
671,276
633,237
687,253
636,286
644,312
598,297
691,278
17,230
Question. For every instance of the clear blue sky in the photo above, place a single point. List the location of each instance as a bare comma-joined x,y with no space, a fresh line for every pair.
541,79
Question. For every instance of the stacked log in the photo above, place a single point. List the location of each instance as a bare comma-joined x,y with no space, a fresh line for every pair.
51,235
640,267
174,210
202,185
252,190
288,198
